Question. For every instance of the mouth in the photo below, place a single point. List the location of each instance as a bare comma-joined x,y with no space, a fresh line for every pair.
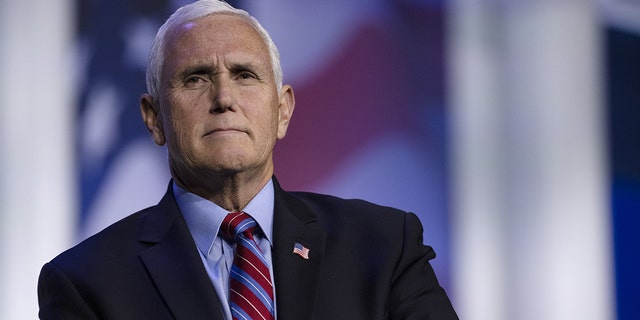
221,131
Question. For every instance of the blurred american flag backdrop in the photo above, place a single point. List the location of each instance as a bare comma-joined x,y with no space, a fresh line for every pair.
509,127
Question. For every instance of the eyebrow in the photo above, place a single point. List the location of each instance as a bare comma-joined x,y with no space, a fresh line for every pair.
205,68
196,69
244,66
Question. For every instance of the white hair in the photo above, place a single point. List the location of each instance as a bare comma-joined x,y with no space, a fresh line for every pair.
194,11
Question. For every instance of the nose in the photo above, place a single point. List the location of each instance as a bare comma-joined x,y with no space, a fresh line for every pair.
222,97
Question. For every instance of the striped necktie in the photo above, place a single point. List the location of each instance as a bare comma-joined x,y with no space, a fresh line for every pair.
250,286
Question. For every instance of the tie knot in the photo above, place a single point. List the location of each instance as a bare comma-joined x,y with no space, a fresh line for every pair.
237,223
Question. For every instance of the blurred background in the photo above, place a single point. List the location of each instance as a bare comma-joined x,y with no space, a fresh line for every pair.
510,127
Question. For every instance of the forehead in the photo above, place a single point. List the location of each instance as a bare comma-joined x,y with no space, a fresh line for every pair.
215,35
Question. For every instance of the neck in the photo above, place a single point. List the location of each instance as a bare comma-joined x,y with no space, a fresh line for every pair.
229,191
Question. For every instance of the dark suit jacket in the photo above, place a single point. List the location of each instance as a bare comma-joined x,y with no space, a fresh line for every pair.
365,262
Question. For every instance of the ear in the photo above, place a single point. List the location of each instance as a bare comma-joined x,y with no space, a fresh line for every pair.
285,109
151,117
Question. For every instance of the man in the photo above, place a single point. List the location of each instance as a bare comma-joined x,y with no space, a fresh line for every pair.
217,101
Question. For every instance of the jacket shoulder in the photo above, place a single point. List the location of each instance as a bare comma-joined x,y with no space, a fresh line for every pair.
335,212
116,240
333,202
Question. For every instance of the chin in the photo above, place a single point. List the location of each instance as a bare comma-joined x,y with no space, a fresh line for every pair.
231,166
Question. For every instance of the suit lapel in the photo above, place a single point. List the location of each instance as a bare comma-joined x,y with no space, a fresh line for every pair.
175,264
296,279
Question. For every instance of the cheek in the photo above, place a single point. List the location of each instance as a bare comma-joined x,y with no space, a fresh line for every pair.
184,131
177,128
268,123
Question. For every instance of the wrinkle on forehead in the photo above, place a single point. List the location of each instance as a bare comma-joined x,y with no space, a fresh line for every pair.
184,27
215,30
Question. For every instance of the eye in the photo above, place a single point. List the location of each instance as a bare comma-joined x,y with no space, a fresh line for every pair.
246,75
195,80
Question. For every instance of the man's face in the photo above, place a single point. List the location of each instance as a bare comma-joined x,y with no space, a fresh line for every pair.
220,111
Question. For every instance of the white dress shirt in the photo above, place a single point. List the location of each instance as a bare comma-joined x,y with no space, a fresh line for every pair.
204,218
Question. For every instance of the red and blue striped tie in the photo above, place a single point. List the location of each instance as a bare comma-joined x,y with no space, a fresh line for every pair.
250,286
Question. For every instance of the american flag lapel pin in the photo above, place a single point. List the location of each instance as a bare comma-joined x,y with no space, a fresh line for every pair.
301,250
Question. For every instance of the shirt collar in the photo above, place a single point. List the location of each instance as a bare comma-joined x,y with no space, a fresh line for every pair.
204,217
